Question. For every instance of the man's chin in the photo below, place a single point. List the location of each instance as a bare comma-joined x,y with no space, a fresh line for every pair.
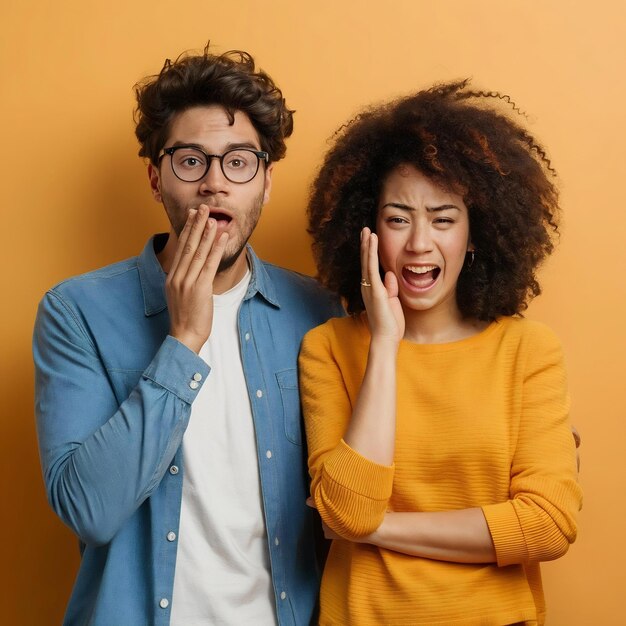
229,259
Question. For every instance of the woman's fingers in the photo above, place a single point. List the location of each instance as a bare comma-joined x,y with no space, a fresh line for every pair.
370,274
391,284
365,243
372,262
384,311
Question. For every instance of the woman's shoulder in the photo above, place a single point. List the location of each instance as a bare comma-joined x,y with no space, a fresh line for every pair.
529,334
340,330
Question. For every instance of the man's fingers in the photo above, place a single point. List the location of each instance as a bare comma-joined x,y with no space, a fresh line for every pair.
188,248
202,252
215,256
182,238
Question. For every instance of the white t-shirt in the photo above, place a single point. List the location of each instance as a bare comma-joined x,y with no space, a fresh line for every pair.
222,561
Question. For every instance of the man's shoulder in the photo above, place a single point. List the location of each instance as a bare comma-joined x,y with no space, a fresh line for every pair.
284,278
119,275
302,296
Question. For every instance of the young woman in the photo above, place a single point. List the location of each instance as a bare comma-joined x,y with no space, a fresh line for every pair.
441,458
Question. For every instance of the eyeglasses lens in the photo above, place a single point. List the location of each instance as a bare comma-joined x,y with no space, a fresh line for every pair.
238,166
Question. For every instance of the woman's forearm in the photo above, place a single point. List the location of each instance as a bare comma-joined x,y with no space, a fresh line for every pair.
460,536
372,429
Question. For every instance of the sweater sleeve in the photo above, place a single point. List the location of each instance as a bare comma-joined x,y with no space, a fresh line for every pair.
350,492
538,522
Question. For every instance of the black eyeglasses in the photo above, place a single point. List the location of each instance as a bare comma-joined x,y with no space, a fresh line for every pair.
190,163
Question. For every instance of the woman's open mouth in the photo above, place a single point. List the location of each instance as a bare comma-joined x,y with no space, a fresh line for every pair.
421,276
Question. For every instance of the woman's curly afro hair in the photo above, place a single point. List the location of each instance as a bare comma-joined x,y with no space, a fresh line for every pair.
461,141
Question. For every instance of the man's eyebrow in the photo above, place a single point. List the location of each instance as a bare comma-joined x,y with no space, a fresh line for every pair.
229,146
245,144
186,144
406,207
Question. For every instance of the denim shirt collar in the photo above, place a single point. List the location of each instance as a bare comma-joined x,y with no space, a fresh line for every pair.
152,278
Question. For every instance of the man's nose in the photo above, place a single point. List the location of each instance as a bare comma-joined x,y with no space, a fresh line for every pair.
214,180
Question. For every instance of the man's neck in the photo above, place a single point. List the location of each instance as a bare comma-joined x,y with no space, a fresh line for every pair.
227,279
166,255
224,280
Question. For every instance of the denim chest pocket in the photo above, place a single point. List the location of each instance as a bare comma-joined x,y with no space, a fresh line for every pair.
290,397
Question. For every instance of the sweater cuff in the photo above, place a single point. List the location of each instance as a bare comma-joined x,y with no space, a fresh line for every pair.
352,471
506,533
356,492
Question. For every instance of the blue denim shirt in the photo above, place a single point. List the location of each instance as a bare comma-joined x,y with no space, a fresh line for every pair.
113,400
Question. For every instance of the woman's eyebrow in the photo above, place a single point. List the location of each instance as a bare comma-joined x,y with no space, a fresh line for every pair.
406,207
398,205
443,207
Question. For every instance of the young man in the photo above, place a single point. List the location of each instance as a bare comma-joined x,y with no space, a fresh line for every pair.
167,405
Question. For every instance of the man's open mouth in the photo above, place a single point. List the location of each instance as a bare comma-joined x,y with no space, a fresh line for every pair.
220,217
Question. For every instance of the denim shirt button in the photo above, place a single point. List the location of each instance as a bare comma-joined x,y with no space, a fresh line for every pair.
276,542
247,336
174,469
171,536
259,393
164,603
197,376
268,454
194,384
283,595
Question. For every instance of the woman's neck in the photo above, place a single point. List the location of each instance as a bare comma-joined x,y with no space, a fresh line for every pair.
439,326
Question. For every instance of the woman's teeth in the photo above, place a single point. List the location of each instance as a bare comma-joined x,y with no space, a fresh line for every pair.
423,269
421,276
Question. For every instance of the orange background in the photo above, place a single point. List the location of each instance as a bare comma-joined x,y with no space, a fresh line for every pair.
75,196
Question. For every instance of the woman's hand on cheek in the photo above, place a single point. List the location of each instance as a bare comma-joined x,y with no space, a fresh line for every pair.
384,311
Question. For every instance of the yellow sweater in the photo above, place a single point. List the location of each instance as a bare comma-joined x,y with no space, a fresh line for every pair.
480,422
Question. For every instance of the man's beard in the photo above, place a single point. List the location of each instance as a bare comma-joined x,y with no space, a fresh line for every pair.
228,261
246,230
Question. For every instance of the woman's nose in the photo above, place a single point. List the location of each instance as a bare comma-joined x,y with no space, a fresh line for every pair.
420,239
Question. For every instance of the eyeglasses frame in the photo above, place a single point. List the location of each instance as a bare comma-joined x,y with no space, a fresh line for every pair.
261,155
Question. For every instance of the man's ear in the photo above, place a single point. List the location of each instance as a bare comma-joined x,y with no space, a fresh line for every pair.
268,183
155,182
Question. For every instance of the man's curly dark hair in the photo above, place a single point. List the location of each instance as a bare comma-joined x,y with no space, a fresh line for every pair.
459,140
229,80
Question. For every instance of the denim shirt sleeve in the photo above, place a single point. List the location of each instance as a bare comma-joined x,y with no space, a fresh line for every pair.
102,459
